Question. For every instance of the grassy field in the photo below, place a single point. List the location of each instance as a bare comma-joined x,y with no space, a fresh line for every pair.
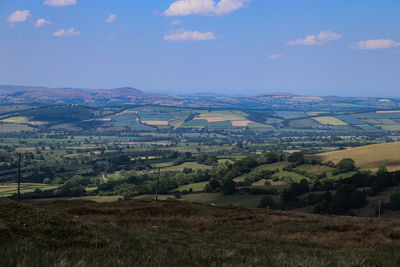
192,165
171,233
14,127
288,177
329,120
7,190
196,187
369,157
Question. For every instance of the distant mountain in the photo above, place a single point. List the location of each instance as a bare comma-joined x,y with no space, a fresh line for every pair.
133,96
27,94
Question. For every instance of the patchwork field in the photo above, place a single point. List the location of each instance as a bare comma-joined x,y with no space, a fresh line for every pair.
7,190
329,120
369,157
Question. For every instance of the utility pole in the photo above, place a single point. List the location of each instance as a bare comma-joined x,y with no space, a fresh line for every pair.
379,208
19,177
158,183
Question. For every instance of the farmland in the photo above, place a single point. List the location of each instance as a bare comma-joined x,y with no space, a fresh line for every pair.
368,157
7,190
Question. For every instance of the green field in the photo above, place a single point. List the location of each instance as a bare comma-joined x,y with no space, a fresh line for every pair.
7,190
225,114
196,187
330,120
14,127
304,123
191,165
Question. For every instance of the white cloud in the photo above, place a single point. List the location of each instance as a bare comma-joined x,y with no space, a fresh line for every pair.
329,36
175,22
66,33
60,2
19,16
204,7
41,22
111,18
275,56
322,38
376,44
182,35
110,38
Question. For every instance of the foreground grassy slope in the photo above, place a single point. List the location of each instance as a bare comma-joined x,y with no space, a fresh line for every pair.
143,233
368,157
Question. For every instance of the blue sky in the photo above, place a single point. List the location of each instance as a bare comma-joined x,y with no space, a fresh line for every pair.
311,47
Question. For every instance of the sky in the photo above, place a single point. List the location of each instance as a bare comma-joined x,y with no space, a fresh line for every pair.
238,47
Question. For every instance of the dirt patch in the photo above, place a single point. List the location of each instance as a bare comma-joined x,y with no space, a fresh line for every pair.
240,123
156,123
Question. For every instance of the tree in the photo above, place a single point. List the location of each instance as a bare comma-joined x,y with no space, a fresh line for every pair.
346,165
267,202
229,186
395,201
296,157
271,157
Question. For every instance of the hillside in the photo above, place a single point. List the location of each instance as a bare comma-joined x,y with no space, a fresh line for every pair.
128,95
369,157
171,233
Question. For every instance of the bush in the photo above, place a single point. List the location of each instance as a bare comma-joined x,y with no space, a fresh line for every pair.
267,202
395,201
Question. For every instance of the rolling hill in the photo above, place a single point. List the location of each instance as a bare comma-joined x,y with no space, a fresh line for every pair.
170,233
128,95
369,157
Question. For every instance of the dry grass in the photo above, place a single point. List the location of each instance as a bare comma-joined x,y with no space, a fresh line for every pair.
171,233
387,111
368,157
156,123
240,123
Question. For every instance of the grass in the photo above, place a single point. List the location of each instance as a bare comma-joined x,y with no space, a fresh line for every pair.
286,176
192,165
14,127
247,201
99,199
226,114
196,187
329,120
304,123
7,190
369,157
171,233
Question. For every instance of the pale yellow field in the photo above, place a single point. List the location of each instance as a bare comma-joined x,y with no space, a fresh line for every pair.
387,111
127,112
240,123
329,120
16,120
156,123
368,157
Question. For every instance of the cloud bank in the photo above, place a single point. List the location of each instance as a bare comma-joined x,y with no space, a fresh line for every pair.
111,18
66,33
60,2
41,22
320,39
204,7
375,44
19,16
183,35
